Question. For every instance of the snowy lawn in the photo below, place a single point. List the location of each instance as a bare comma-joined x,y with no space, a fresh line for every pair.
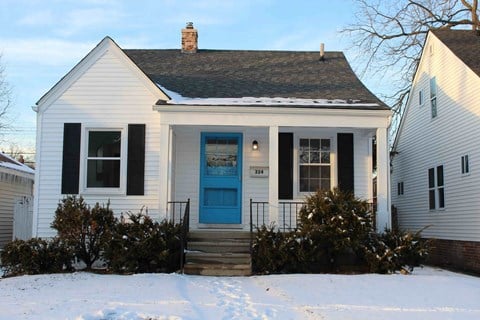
426,294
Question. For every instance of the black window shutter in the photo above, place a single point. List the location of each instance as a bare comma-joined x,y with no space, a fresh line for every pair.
136,159
345,162
285,165
71,157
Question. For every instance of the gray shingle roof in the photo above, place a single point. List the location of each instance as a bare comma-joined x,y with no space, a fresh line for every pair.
239,73
465,44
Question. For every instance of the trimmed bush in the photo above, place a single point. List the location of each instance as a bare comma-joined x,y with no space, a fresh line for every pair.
336,234
140,245
87,230
337,225
395,251
36,256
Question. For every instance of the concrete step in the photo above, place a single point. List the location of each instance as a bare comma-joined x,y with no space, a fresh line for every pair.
217,235
218,253
218,258
210,269
219,246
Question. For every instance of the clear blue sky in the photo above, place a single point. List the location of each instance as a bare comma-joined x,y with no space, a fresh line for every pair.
41,40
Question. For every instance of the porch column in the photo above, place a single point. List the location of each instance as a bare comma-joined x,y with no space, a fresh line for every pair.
164,160
273,173
384,219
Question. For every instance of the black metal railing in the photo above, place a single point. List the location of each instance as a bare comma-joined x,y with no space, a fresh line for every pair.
179,213
176,211
287,214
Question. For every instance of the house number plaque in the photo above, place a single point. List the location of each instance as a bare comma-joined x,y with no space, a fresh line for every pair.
258,172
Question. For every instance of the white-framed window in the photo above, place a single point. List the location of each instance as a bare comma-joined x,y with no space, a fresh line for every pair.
400,188
314,164
436,188
465,164
433,97
104,153
420,98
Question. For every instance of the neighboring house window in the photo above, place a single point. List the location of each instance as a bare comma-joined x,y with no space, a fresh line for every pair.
433,96
420,98
436,189
314,161
465,164
400,188
104,159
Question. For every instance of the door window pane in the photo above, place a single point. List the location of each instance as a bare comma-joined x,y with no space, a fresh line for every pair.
221,157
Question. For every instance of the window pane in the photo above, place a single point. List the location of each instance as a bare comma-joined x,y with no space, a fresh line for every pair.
441,198
325,157
325,145
221,157
314,185
304,185
431,199
104,143
103,174
315,157
434,107
304,172
431,178
303,152
325,184
463,164
314,172
325,170
433,87
467,168
315,144
420,97
440,176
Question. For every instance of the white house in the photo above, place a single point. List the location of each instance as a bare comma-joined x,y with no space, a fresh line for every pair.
218,127
436,154
16,184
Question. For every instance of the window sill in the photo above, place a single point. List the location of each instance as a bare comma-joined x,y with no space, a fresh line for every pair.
103,192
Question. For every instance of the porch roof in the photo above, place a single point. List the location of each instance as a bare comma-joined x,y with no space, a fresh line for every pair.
244,73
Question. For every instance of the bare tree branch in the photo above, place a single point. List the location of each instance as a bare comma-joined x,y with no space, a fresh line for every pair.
5,99
390,34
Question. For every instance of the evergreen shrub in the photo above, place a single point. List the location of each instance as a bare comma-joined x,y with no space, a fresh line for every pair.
336,234
86,230
36,256
140,245
395,250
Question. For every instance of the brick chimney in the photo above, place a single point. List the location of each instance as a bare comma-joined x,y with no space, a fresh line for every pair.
189,39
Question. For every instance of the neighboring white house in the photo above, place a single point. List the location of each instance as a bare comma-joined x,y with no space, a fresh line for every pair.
16,182
436,154
218,127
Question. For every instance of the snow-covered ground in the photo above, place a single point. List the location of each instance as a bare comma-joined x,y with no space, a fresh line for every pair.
426,294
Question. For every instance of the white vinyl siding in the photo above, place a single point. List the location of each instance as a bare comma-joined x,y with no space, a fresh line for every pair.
11,186
107,95
423,144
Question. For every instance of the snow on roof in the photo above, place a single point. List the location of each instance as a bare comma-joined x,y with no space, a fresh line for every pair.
10,163
177,98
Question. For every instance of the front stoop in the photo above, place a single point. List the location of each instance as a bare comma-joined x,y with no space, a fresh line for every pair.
218,253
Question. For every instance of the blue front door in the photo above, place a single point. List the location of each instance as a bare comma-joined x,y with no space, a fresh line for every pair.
220,178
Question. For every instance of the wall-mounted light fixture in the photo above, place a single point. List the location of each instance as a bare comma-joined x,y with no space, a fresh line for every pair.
255,145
